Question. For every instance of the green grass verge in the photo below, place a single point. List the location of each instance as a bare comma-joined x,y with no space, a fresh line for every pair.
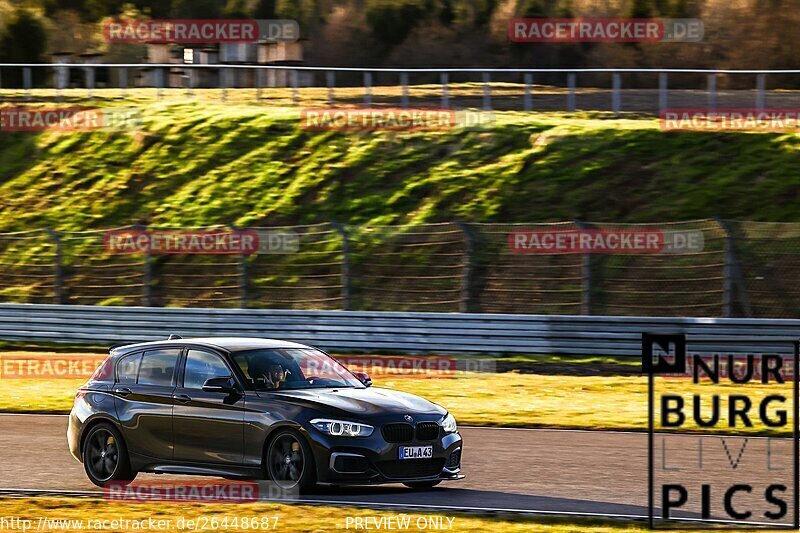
201,163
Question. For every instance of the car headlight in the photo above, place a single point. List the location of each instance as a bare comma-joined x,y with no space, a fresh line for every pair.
341,428
449,424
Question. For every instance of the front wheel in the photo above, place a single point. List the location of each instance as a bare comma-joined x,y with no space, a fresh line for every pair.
290,464
105,457
420,485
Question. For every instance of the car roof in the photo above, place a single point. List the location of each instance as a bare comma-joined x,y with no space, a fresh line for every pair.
231,344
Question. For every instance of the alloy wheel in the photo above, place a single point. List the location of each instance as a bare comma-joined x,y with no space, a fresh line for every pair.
286,461
103,454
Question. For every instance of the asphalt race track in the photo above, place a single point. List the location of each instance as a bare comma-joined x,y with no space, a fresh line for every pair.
541,470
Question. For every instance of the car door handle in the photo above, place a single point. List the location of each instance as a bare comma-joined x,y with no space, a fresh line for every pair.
123,391
182,398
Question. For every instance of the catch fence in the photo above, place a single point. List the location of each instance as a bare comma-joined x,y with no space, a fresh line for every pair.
743,269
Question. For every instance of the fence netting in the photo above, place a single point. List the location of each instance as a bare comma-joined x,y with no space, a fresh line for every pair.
694,268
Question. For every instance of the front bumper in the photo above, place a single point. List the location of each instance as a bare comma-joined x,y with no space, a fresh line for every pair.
372,460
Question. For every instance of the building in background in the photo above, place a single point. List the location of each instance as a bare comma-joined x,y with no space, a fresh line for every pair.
281,53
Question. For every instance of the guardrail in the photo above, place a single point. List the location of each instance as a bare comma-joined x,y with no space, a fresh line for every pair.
352,331
498,88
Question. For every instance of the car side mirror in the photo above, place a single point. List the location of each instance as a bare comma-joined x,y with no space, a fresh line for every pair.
364,378
219,385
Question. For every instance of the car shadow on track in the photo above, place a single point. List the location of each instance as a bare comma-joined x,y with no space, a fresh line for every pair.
444,496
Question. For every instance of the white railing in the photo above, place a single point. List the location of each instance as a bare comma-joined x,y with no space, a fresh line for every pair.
158,80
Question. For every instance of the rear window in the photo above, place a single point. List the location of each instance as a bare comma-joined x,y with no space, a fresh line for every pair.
158,367
128,369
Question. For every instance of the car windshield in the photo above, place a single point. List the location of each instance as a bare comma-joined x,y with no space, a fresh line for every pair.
292,369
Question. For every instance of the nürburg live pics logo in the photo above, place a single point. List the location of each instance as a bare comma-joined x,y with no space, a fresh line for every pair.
722,430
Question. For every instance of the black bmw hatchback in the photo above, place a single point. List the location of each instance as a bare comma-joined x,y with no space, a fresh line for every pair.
255,409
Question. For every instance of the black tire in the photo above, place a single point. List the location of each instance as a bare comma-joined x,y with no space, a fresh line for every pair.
421,485
105,457
289,462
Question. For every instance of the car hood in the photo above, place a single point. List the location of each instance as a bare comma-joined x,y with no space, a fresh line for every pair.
361,402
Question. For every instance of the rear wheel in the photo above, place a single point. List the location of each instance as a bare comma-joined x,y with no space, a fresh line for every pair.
422,484
290,464
105,457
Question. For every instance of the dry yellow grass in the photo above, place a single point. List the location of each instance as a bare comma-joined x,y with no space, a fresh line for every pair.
64,515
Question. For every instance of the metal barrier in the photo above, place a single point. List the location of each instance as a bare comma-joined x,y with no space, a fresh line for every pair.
353,331
486,88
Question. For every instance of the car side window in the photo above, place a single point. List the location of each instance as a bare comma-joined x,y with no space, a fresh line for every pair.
128,369
158,367
202,366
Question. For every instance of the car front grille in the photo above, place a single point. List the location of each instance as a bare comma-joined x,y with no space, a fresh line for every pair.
398,432
427,431
411,468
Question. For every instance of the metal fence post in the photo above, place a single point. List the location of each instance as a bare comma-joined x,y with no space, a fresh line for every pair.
243,275
346,278
58,269
404,90
616,94
147,281
259,83
487,92
712,92
90,81
445,93
330,78
61,78
571,92
160,82
727,278
586,277
27,82
147,274
123,80
468,303
295,83
368,89
223,83
663,94
761,83
732,275
528,98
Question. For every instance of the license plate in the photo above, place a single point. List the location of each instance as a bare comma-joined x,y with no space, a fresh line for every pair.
416,452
